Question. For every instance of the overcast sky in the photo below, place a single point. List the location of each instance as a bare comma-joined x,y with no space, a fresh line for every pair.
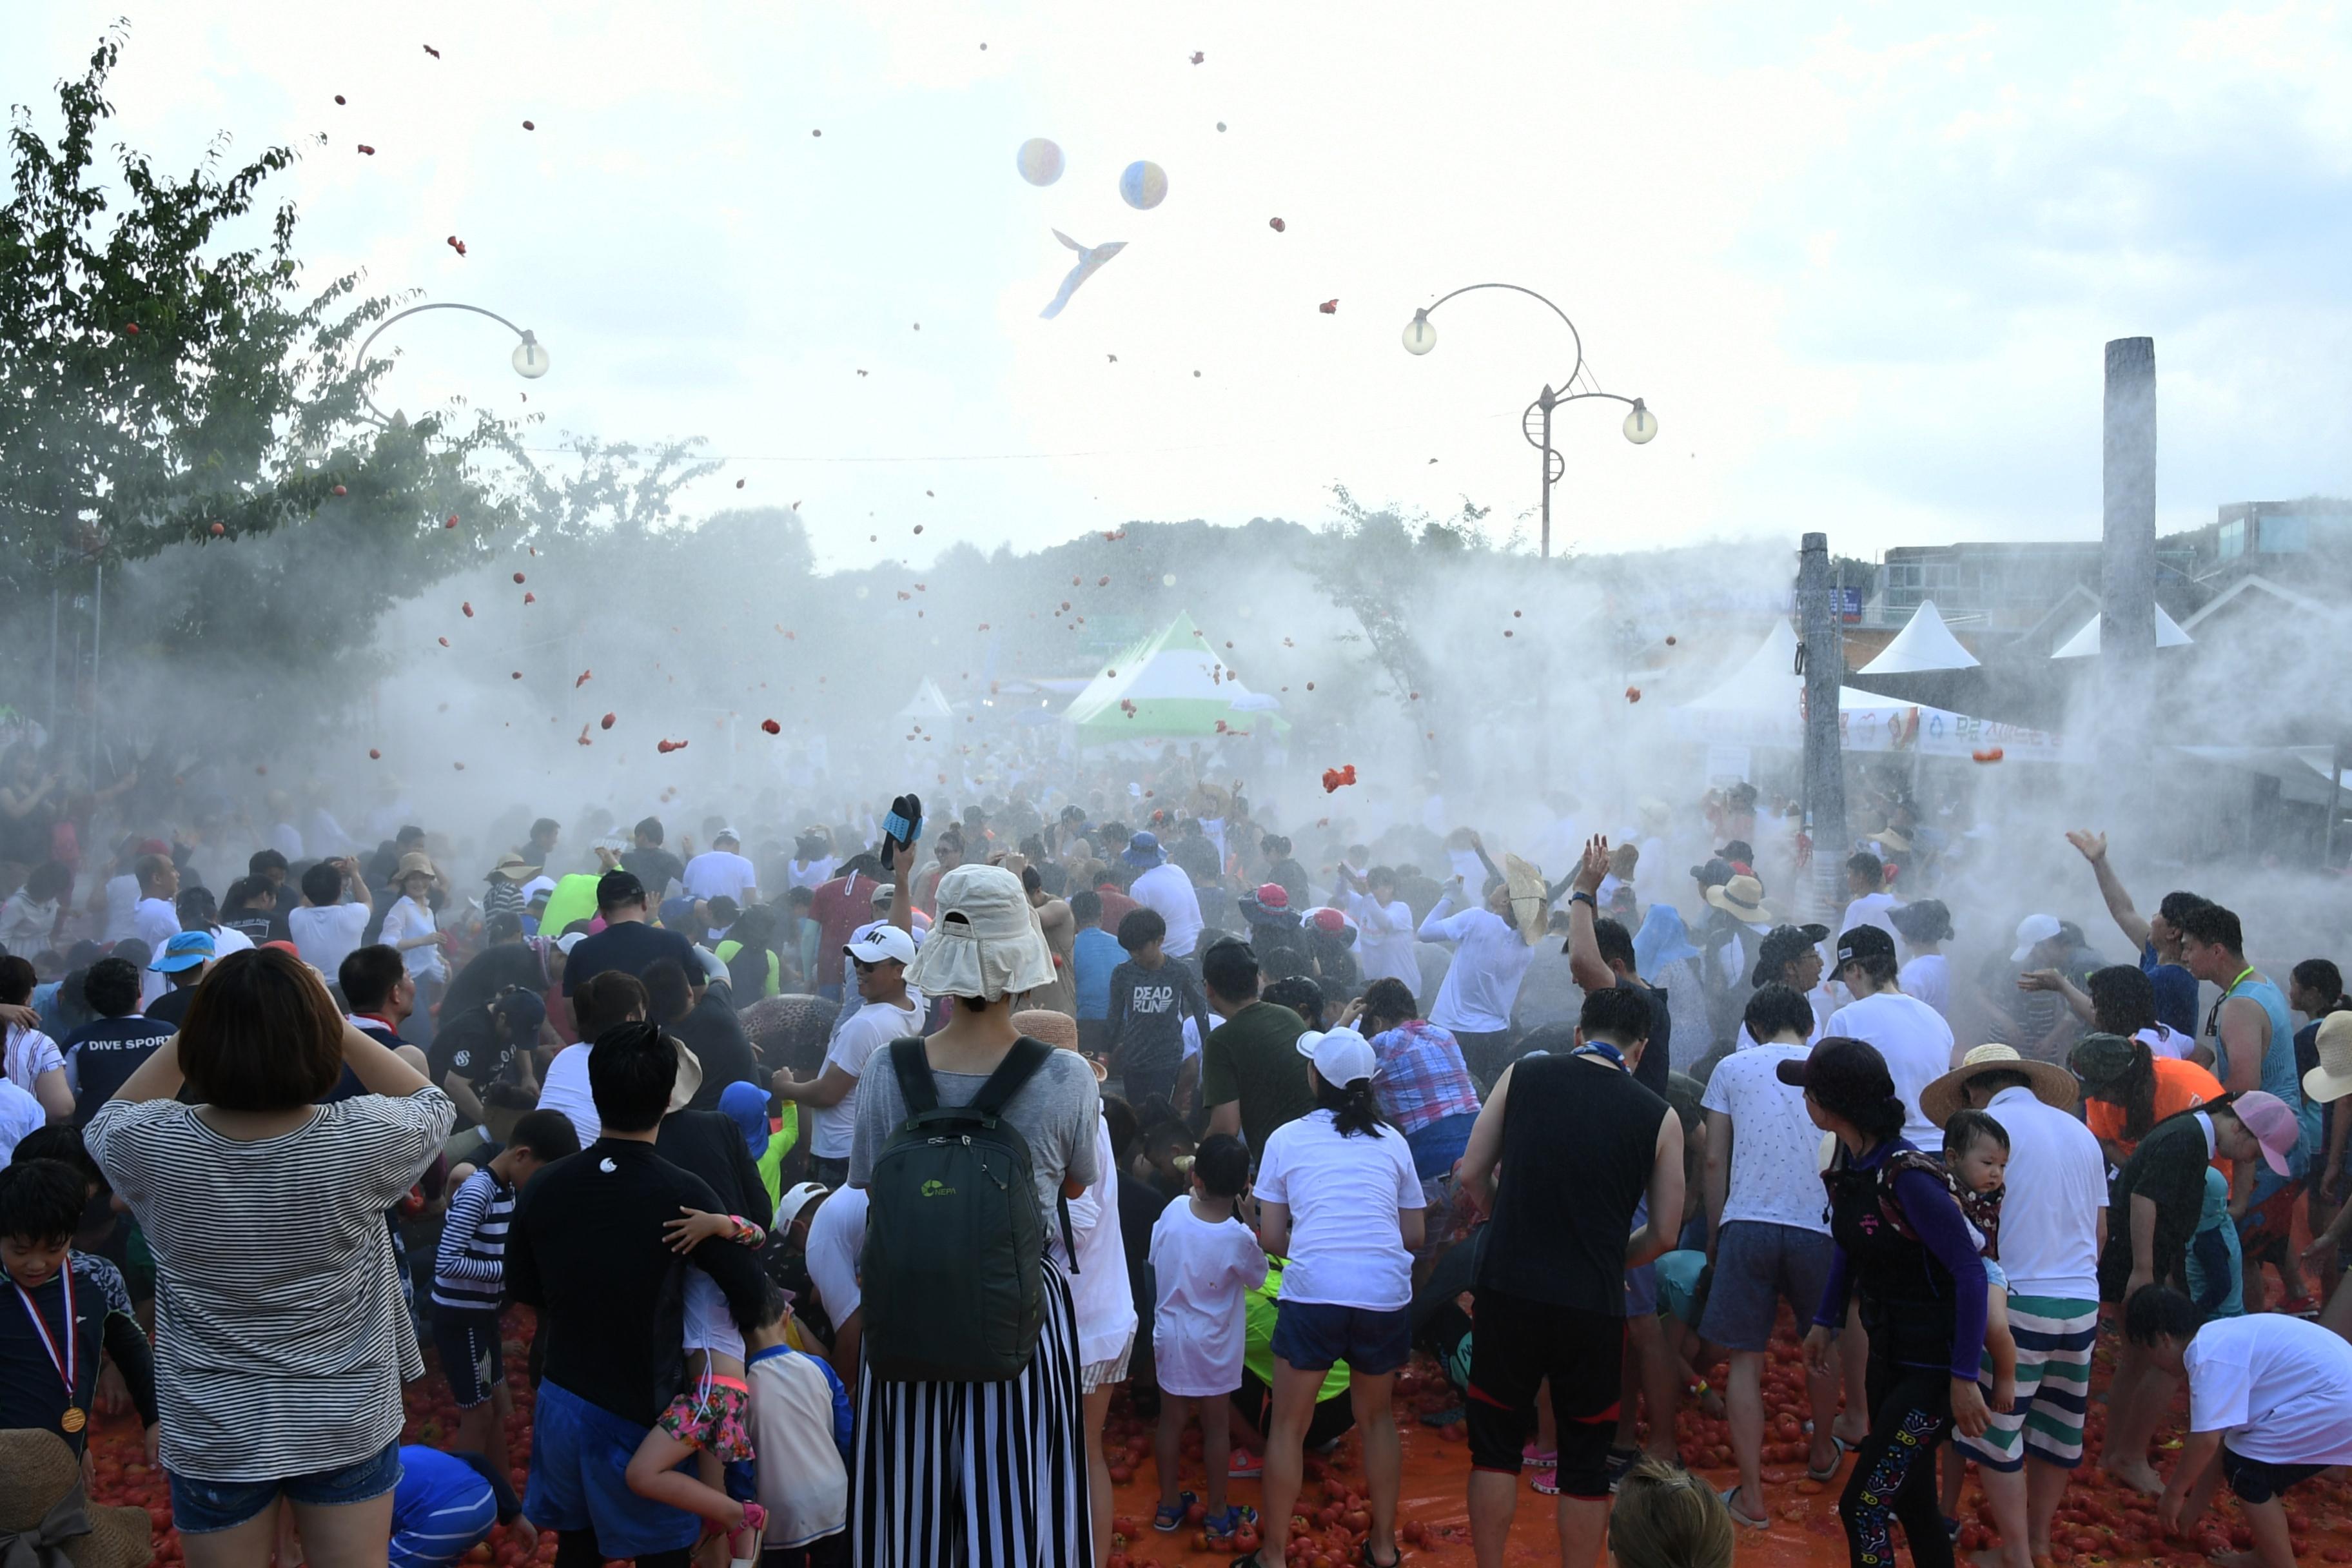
1860,259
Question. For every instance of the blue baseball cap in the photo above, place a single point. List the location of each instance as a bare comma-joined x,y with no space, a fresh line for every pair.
188,950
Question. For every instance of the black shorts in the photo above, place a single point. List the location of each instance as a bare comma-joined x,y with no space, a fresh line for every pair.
2260,1481
1516,1345
1332,1419
472,1352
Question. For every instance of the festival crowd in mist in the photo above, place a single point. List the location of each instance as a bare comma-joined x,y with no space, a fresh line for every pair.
844,1168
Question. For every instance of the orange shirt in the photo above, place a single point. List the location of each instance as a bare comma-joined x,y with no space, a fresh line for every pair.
2179,1085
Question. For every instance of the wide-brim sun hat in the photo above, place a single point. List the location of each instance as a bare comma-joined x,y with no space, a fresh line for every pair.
413,864
1742,897
2331,1079
511,868
1058,1030
2052,1085
985,941
689,1076
1529,907
39,1473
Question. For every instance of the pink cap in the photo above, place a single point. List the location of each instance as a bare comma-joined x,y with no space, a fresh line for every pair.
2274,1127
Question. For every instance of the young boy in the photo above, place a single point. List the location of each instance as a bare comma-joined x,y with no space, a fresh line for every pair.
801,1424
67,1305
2214,1263
469,1279
1150,997
1203,1261
445,1506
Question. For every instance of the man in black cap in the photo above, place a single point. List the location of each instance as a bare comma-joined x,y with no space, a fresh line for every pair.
1791,957
628,942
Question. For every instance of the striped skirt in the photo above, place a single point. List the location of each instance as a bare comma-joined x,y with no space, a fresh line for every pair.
978,1475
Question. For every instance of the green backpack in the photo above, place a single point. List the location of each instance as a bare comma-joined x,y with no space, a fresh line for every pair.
953,1267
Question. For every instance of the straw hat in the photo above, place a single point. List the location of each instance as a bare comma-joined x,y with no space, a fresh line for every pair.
511,868
1058,1030
413,864
1742,897
1529,907
44,1516
2331,1079
2052,1085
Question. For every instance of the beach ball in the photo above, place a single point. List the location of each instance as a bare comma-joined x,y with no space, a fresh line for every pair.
1143,185
1039,161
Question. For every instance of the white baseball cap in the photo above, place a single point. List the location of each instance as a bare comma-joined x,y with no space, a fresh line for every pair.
1342,1056
2032,933
726,833
882,944
789,1206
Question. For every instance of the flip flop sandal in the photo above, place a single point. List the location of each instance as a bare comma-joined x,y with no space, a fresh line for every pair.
1730,1494
1844,1448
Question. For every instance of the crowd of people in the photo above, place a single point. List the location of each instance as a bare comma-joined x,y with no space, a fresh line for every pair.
849,1181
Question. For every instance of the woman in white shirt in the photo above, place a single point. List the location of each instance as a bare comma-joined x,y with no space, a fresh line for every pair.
408,926
1337,1195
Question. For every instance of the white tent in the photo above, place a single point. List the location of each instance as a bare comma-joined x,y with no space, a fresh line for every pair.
2085,643
1923,643
1763,705
929,702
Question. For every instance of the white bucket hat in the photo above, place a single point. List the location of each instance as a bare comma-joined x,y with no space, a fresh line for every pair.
985,943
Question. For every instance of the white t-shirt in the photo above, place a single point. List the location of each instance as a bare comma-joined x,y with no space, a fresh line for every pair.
1774,1177
326,936
1099,1295
1916,1044
228,939
1483,981
1167,890
406,918
1384,940
2275,1387
1345,1195
153,921
2166,1041
2057,1185
121,908
565,1089
709,1323
30,1053
870,1028
1870,910
1930,978
835,1238
20,1113
1201,1271
720,873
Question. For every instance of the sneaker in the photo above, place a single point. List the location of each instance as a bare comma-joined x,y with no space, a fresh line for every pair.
1224,1526
1534,1455
1619,1461
1952,1528
1169,1519
1245,1466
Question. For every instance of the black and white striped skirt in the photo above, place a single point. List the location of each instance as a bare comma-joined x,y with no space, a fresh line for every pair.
978,1475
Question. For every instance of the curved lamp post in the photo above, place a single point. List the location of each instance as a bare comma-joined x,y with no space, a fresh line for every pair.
1640,426
529,357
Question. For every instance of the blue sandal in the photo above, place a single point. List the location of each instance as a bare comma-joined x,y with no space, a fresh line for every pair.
1168,1519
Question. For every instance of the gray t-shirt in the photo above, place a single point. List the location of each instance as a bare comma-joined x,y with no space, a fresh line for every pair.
1056,1111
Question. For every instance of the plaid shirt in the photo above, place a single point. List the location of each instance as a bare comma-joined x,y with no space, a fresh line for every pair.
1420,1078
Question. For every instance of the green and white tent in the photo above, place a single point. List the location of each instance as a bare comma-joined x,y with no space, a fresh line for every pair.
1167,685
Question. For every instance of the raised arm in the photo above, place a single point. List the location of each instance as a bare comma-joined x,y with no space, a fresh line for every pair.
1585,964
2094,848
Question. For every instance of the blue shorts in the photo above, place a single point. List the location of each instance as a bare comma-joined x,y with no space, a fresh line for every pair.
579,1459
206,1508
1312,1335
1757,1266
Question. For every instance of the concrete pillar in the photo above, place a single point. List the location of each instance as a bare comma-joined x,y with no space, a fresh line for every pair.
1821,632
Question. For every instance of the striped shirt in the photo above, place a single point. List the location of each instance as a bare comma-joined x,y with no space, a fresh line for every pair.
282,1336
469,1270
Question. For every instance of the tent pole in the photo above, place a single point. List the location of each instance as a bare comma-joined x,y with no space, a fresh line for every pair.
2335,802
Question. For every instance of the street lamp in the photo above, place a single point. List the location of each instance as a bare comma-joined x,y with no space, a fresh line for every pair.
1641,425
530,358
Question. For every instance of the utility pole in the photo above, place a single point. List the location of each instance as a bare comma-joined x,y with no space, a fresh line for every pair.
1821,647
2126,673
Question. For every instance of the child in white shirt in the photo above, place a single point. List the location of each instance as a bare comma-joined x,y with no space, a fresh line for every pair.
1203,1261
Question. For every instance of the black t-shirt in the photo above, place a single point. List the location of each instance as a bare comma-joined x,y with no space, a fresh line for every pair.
105,1052
1658,1056
630,947
657,868
709,1145
172,1007
491,971
715,1035
469,1046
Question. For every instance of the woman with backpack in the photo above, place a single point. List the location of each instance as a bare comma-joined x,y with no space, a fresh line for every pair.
969,1145
1337,1197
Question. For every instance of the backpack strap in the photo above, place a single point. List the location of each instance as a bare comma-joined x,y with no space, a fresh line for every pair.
913,1071
1019,1066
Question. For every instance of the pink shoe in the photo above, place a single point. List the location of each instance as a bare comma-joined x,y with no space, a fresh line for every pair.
743,1541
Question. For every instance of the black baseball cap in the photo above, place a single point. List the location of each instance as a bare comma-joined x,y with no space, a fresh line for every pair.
616,888
1864,942
1780,944
1847,1077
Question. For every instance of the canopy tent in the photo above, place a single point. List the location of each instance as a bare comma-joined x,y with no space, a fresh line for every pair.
1763,704
929,702
2085,643
1923,643
1167,685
